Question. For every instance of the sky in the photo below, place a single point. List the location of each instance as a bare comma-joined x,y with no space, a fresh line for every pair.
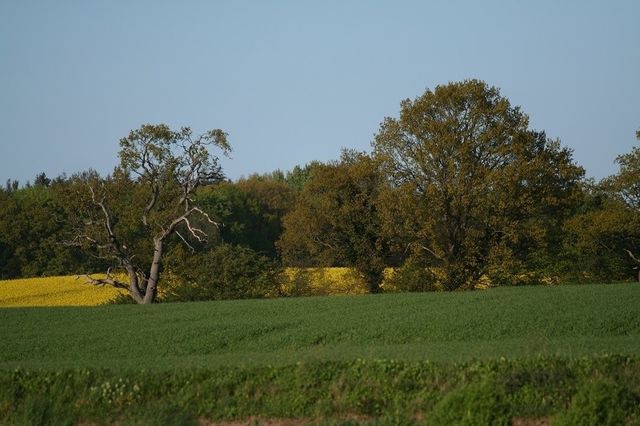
296,81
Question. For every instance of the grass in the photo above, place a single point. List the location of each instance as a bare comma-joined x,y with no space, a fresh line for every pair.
566,321
565,354
370,392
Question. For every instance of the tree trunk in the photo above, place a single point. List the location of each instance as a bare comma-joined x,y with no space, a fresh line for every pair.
154,273
134,287
373,278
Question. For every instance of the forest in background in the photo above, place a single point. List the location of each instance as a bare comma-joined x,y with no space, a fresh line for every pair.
457,191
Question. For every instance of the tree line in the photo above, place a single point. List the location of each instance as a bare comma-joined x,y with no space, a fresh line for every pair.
458,191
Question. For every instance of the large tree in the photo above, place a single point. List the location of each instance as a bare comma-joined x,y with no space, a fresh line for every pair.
31,228
605,233
475,186
335,221
624,188
251,209
128,218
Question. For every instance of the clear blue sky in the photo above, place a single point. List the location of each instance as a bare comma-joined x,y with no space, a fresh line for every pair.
294,81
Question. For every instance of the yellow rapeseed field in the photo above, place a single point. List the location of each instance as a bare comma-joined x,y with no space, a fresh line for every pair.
323,282
53,291
69,291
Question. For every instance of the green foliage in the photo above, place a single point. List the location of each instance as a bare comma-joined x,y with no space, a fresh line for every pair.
335,221
251,211
412,276
475,186
132,217
121,299
295,178
33,230
459,190
516,322
41,410
597,240
604,237
42,180
390,358
10,264
483,403
600,403
224,272
301,280
626,183
319,392
298,177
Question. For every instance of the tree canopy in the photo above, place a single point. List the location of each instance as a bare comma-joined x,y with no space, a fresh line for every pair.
458,192
159,172
474,179
335,220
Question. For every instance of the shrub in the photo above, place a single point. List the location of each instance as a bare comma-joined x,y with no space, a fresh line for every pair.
40,410
121,299
411,276
299,282
599,403
322,282
225,272
474,404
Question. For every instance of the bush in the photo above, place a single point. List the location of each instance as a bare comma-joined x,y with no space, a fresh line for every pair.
599,403
226,272
121,299
299,283
474,404
359,391
412,276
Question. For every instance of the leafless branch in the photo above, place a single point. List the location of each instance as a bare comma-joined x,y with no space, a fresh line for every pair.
431,252
154,198
104,281
185,241
197,233
115,246
206,216
635,259
319,241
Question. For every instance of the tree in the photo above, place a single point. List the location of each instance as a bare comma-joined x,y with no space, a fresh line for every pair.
154,185
225,272
42,180
605,233
476,187
251,211
335,221
299,175
600,237
626,183
31,228
624,188
9,235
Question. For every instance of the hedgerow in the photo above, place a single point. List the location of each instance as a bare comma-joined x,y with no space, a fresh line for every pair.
360,391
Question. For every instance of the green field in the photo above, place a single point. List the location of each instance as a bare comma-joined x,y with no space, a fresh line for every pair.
506,322
353,357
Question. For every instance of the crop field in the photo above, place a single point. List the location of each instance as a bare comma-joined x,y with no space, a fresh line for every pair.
53,291
72,291
504,322
507,355
394,358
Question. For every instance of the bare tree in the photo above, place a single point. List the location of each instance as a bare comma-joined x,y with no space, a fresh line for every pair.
164,168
